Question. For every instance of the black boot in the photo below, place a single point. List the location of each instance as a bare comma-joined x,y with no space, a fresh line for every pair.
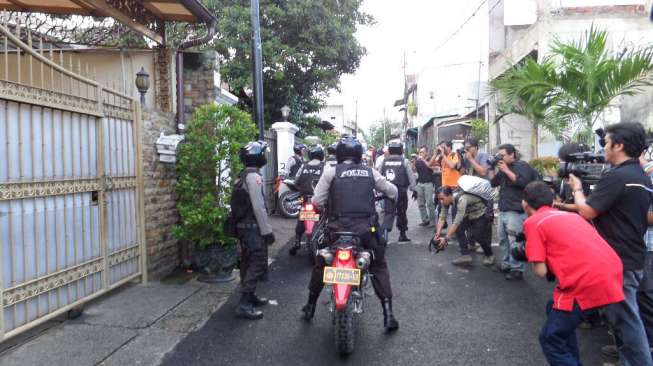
402,236
246,308
309,308
389,322
298,243
259,301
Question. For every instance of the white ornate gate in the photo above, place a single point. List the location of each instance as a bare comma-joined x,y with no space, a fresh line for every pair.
71,188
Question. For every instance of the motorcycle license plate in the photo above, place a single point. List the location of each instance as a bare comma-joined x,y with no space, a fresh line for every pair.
342,276
308,216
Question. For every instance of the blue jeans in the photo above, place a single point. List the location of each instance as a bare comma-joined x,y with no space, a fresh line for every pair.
627,326
511,223
558,336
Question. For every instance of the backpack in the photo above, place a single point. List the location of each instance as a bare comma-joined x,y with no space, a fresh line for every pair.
241,205
478,187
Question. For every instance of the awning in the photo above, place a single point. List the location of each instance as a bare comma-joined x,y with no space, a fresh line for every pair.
140,15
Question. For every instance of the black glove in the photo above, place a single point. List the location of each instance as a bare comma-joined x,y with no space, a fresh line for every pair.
269,239
414,196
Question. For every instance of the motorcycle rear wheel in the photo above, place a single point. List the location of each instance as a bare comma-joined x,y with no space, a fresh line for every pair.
343,330
288,207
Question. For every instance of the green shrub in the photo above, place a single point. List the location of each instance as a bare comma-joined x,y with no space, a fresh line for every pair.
546,165
207,164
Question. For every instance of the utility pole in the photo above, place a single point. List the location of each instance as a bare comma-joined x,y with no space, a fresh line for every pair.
356,120
404,123
384,123
257,66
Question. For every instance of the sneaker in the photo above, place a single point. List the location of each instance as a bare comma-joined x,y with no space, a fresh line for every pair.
403,237
488,260
424,223
479,250
463,260
610,350
514,275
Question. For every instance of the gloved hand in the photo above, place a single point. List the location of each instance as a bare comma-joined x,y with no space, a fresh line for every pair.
269,239
414,196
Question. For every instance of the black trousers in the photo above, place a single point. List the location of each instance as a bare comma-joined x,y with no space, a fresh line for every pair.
645,298
478,230
378,268
402,207
299,229
253,259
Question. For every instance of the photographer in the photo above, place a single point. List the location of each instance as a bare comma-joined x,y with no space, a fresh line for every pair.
618,207
513,175
566,202
588,271
474,162
425,187
449,161
472,217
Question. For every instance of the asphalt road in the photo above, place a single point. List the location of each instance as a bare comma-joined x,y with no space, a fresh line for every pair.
447,316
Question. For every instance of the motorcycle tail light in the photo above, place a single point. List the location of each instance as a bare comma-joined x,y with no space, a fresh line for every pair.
344,255
326,255
308,207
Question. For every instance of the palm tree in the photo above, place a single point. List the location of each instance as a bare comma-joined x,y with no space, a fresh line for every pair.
568,91
529,90
590,78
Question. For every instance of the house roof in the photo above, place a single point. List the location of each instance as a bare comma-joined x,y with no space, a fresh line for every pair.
140,15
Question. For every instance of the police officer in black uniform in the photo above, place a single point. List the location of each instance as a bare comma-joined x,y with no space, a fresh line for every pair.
307,176
348,190
396,169
295,162
331,154
254,232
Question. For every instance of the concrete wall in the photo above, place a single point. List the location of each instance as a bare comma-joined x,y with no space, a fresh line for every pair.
161,215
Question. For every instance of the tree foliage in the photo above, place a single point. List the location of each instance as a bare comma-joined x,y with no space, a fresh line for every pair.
567,92
207,165
307,46
374,136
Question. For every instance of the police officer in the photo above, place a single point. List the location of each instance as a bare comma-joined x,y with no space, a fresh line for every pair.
331,154
348,190
307,176
396,169
254,232
295,162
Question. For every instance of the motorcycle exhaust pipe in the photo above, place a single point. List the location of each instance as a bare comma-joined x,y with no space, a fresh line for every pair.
326,255
363,261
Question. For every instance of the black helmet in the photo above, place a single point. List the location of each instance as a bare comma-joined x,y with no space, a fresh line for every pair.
298,148
395,148
253,154
316,152
331,150
349,148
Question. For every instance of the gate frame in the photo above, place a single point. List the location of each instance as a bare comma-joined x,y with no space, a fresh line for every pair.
100,183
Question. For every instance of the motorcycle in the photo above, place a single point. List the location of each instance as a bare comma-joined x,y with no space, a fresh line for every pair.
289,202
311,220
346,276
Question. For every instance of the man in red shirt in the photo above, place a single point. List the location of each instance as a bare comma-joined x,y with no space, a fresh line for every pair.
589,272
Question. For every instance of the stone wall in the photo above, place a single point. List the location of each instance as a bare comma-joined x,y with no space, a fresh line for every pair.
163,252
199,81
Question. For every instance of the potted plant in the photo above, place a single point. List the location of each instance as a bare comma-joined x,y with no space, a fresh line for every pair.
207,165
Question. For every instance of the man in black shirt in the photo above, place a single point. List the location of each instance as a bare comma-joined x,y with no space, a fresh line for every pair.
618,207
425,187
513,175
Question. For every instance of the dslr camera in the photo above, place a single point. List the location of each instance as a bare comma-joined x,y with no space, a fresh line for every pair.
495,160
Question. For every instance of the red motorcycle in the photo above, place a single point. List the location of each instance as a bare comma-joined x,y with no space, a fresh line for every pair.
308,214
346,277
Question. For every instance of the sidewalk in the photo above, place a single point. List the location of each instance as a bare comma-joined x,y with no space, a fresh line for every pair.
136,325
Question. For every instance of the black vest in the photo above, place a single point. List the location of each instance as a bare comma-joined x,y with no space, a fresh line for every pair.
424,174
295,168
351,194
309,177
394,171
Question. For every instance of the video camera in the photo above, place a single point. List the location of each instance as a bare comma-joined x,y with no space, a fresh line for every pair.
585,165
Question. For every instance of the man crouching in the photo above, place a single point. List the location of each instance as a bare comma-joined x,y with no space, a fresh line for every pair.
588,271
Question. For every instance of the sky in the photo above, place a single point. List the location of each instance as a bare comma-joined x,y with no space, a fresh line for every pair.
416,27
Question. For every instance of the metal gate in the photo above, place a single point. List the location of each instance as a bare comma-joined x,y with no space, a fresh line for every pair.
270,169
71,189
